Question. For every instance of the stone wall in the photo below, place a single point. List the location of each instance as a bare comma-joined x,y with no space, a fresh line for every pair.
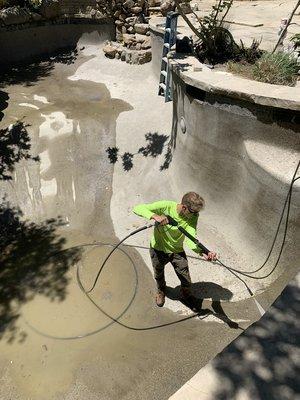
74,6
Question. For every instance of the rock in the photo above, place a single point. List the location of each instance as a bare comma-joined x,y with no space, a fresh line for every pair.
129,4
123,55
141,57
147,43
131,30
167,6
136,10
140,38
110,50
186,7
14,16
50,9
141,28
128,57
35,16
128,39
131,20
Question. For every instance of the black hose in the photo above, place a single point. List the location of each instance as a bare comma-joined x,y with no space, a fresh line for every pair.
233,271
113,319
248,274
115,248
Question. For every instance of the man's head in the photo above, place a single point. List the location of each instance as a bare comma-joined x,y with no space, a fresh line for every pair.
191,203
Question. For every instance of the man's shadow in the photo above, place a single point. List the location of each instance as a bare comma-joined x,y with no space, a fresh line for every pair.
201,291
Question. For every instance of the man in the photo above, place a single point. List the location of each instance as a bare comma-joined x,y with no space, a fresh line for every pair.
167,241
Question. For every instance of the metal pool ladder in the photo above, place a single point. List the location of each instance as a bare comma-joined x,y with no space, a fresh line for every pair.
165,81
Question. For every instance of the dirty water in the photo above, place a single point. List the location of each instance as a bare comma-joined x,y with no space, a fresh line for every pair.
71,124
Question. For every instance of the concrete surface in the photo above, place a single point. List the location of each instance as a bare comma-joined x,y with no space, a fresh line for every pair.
74,114
193,73
23,45
262,363
75,111
248,20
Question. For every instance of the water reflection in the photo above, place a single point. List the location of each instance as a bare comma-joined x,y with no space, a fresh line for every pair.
71,125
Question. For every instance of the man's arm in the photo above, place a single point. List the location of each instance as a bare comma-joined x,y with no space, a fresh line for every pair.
152,210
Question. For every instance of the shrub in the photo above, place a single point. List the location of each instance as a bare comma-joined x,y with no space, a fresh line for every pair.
215,43
296,40
277,68
248,54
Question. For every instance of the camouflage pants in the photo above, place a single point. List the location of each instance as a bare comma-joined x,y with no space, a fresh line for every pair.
179,262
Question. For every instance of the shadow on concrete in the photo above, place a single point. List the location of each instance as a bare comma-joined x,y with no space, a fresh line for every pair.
14,146
201,291
32,263
4,97
154,147
30,73
262,362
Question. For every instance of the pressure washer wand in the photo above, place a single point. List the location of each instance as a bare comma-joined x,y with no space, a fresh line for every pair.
188,235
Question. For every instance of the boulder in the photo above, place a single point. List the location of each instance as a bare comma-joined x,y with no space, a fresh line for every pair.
50,9
14,16
128,39
35,16
141,56
167,6
147,43
136,10
129,4
140,38
110,51
141,28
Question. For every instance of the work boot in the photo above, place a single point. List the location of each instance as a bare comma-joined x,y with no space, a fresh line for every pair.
160,298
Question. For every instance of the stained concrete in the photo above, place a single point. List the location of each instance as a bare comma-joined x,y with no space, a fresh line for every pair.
75,113
29,42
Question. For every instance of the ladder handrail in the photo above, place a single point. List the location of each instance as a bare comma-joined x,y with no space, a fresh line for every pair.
170,35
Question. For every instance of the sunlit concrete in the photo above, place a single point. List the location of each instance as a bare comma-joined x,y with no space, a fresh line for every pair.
74,114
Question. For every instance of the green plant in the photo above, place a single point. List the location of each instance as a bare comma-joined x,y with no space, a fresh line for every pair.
248,54
215,43
296,40
241,68
277,68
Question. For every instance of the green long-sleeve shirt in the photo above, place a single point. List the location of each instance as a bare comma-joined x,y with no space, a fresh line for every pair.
168,238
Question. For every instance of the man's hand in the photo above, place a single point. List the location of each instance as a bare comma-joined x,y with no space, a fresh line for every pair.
160,219
210,256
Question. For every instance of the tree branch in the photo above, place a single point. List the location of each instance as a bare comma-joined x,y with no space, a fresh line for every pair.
286,27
